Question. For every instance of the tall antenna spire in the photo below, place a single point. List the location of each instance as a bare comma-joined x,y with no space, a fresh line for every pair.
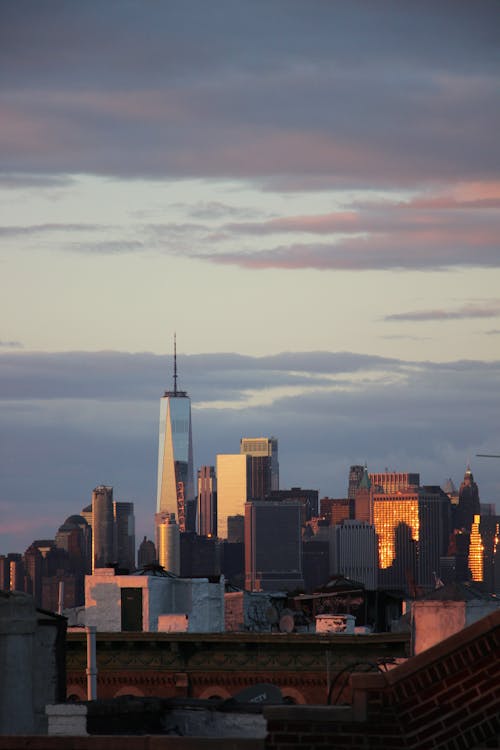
175,364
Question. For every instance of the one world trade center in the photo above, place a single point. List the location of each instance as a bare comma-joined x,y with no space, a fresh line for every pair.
175,459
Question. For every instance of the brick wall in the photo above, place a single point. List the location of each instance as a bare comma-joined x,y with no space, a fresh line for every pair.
446,698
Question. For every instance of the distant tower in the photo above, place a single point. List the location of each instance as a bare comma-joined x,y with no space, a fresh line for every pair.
273,549
363,499
264,465
146,554
102,527
124,521
355,552
476,550
233,483
169,545
355,475
175,457
207,501
468,502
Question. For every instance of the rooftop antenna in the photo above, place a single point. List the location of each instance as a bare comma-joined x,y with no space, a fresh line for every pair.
175,365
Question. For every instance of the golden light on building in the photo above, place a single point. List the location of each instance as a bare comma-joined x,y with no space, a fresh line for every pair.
476,550
389,512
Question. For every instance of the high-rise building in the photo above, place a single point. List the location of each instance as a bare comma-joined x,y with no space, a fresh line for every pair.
103,551
146,554
169,544
476,550
308,499
391,482
233,482
413,530
207,502
335,509
363,499
354,552
264,465
175,457
124,530
273,548
468,502
236,529
355,475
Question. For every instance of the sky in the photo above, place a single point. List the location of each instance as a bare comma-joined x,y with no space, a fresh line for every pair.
305,192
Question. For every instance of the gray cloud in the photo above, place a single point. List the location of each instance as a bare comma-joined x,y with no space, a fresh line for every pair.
39,181
296,92
484,310
80,419
371,253
34,229
129,377
11,344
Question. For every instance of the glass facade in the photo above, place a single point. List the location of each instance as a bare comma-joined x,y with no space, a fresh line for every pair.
175,457
233,483
265,449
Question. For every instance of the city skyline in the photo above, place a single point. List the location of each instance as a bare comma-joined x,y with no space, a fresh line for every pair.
308,193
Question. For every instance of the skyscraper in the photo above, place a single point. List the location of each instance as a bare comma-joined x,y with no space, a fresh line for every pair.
273,548
355,475
175,457
468,502
102,527
207,502
124,520
264,465
233,482
169,556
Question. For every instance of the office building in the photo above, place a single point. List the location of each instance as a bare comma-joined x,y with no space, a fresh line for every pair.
199,556
468,502
476,550
363,499
307,498
355,475
168,533
335,509
413,532
124,530
175,456
103,551
397,525
273,548
391,482
146,554
233,482
354,552
236,529
75,537
264,465
207,502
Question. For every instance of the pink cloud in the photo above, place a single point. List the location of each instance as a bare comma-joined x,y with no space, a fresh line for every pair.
484,310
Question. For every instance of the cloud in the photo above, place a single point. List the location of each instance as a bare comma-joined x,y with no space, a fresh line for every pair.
38,181
120,376
11,345
410,251
80,419
468,311
310,94
34,229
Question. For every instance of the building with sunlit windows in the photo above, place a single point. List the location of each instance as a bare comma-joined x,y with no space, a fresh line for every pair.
233,484
476,549
175,486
